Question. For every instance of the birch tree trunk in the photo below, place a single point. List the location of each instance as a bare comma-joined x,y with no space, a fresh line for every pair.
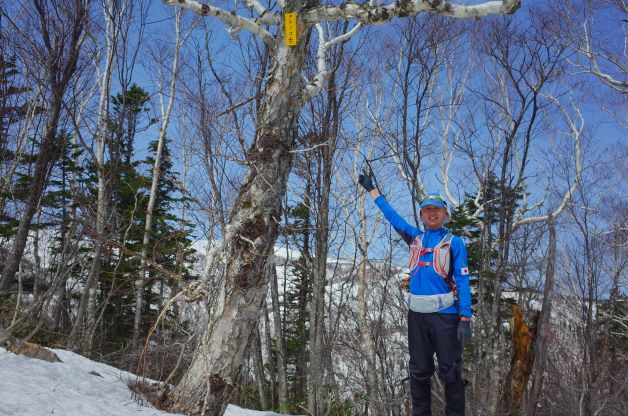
89,290
268,341
258,365
37,257
304,284
180,259
316,376
253,227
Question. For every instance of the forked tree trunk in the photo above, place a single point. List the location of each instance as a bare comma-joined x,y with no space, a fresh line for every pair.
253,226
251,234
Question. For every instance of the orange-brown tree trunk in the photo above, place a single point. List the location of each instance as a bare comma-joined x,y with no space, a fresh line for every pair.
521,363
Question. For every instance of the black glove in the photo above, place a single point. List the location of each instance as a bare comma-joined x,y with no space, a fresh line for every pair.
366,180
464,332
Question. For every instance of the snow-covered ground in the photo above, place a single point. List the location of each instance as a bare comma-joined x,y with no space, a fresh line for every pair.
75,387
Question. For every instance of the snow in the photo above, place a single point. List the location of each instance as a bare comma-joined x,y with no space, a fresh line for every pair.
233,410
75,387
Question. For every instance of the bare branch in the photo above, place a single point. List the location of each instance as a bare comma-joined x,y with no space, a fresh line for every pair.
372,13
257,6
377,15
315,86
576,133
235,22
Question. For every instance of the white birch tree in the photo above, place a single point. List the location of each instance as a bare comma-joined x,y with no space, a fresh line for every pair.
253,224
166,111
583,27
112,15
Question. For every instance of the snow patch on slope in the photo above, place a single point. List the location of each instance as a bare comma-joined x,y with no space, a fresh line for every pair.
77,386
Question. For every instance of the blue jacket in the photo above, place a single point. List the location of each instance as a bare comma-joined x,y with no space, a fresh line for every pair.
424,280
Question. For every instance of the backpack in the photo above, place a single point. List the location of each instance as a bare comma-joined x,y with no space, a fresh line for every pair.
441,263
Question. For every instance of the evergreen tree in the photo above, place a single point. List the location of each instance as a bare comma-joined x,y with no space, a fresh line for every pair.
167,239
62,201
128,109
500,202
296,300
464,224
127,195
129,183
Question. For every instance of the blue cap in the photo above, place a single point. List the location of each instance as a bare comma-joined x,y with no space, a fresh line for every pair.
434,200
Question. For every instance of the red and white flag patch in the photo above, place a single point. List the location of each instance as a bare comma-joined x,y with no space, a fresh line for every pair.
464,270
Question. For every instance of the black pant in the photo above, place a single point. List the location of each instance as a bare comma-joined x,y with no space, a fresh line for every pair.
430,333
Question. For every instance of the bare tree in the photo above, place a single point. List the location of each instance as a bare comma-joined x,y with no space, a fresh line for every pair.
59,32
373,383
542,333
321,145
593,278
421,52
113,12
166,111
585,28
282,390
20,95
513,106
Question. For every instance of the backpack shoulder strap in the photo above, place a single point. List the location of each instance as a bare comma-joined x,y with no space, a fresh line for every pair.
443,260
415,251
450,273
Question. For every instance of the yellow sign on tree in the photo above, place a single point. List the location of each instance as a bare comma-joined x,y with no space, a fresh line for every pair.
291,28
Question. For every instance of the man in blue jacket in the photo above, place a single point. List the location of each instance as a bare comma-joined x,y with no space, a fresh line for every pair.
439,315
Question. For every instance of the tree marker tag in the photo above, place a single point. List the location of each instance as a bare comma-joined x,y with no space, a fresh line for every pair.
290,21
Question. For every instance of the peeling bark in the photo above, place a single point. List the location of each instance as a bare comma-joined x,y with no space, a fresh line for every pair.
521,363
253,227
